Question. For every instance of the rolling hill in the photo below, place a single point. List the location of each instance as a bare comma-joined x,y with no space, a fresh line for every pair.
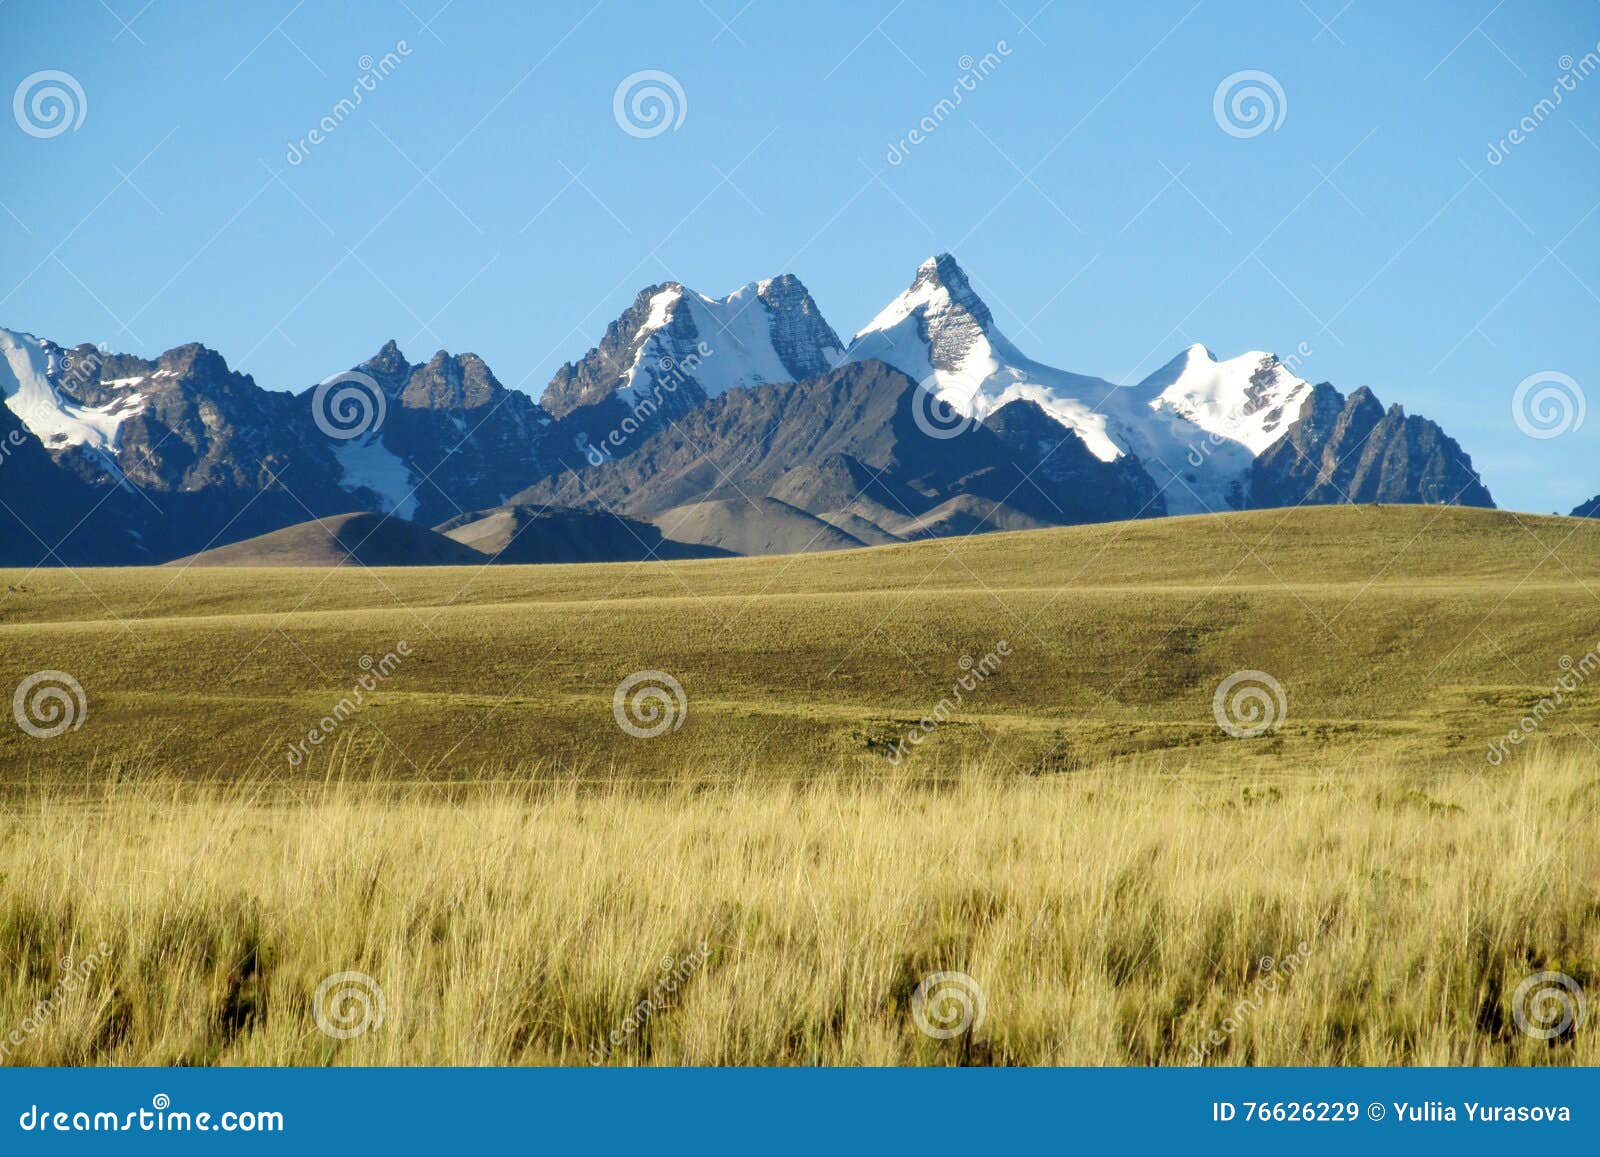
1411,633
532,534
368,540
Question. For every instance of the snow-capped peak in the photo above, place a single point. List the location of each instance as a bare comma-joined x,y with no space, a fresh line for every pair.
765,331
940,332
1196,424
939,292
60,422
1251,399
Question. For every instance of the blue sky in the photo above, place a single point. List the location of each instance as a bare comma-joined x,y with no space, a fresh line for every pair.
483,196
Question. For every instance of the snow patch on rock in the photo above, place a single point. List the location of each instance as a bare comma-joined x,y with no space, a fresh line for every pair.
366,463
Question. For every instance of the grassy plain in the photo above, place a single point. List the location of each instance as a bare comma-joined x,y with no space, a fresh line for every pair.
1079,836
1414,633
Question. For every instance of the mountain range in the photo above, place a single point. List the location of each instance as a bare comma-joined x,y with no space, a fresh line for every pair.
697,427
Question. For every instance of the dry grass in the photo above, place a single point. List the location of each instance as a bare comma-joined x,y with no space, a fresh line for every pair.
1400,635
512,868
1109,918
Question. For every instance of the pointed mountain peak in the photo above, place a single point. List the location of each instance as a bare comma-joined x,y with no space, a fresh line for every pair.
1362,397
939,296
674,342
445,381
388,367
196,360
388,361
787,293
783,283
942,271
1196,357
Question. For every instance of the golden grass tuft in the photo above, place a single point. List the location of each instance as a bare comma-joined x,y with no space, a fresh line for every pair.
1110,918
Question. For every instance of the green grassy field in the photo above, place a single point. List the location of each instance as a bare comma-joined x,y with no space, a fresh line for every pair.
1119,879
1410,634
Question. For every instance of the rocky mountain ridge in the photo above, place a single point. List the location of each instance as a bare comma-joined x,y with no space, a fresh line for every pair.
929,422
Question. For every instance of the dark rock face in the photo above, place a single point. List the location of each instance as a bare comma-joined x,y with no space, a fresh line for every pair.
598,374
800,334
1353,450
201,425
1046,450
50,516
848,441
208,457
466,442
